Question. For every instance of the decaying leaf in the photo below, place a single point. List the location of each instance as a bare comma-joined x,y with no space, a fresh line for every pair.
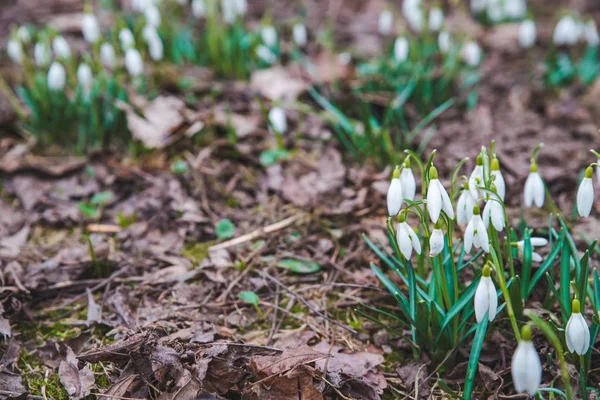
77,382
278,83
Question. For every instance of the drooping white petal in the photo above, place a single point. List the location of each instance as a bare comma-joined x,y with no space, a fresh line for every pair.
61,47
41,54
590,31
493,212
444,42
446,203
469,235
498,180
534,192
486,299
15,51
436,242
577,334
401,50
412,11
527,34
409,185
134,62
23,34
471,54
152,15
404,240
493,298
538,241
198,8
464,207
107,55
585,197
57,76
536,257
526,368
90,28
414,240
436,19
269,35
434,200
394,197
386,20
126,38
299,34
278,122
515,9
85,77
482,234
475,181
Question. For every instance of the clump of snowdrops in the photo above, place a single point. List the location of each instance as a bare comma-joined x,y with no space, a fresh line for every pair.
462,269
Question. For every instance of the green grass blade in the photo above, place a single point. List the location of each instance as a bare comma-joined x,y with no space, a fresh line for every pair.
474,357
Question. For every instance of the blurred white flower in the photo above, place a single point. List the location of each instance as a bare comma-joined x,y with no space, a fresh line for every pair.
140,5
486,297
299,34
277,120
134,62
241,7
268,35
566,32
41,54
15,51
385,23
515,9
90,28
344,58
394,194
229,10
57,76
577,332
411,9
61,47
436,19
126,38
477,6
476,179
198,8
444,41
526,367
182,2
498,179
527,34
107,55
436,242
407,178
155,46
471,54
152,15
265,54
24,35
535,242
495,11
591,33
535,191
85,78
585,194
464,206
401,49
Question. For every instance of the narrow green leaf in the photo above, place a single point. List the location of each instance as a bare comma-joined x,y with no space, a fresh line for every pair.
299,266
474,357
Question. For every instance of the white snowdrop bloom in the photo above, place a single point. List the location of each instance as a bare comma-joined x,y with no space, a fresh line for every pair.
407,179
527,34
477,6
57,76
85,77
240,7
268,35
585,194
436,19
411,9
526,368
107,55
476,179
41,54
228,8
182,2
590,31
535,242
498,179
24,35
486,297
444,42
493,211
278,120
401,49
126,38
198,8
15,51
265,54
535,190
344,58
577,332
90,28
407,238
156,48
61,47
152,15
471,54
299,34
515,9
464,206
395,195
436,242
385,23
140,5
437,198
134,62
476,233
149,33
495,11
566,32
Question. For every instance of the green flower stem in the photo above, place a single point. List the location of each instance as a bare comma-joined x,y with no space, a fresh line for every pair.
444,282
504,289
583,377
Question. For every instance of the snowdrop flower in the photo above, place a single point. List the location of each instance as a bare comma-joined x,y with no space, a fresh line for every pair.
41,54
344,58
515,9
411,9
527,34
241,7
61,47
493,211
156,48
401,49
57,76
126,38
444,41
386,20
526,368
577,332
535,242
437,197
395,196
436,19
90,28
265,54
278,120
498,179
464,207
476,178
268,35
152,16
535,191
85,78
477,6
182,2
24,35
566,31
228,8
495,11
476,233
591,33
299,34
198,8
436,241
585,194
407,238
471,54
15,51
107,55
134,62
407,179
486,298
